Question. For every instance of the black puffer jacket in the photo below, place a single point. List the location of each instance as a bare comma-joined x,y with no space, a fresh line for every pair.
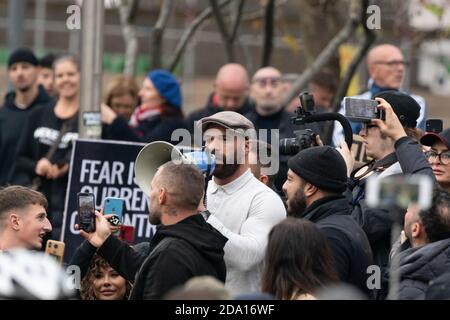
418,266
178,252
347,241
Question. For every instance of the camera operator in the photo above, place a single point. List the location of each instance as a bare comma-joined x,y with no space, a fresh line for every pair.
242,208
439,156
428,232
317,178
184,245
23,218
393,147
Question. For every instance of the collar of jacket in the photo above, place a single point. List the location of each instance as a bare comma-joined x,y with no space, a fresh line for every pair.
160,229
234,185
420,259
41,98
326,207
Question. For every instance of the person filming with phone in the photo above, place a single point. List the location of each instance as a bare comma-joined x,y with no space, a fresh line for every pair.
392,145
184,245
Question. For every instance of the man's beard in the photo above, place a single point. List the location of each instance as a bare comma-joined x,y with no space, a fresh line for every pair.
223,171
24,88
154,216
297,205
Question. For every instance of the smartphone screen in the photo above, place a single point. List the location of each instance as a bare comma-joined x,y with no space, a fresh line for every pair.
360,110
86,212
399,191
434,125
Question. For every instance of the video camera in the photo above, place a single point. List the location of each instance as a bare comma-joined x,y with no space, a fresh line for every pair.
305,113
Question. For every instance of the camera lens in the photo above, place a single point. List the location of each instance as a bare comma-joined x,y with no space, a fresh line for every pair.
55,246
289,146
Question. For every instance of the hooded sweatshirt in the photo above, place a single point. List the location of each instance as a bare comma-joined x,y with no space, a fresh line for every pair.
178,252
12,121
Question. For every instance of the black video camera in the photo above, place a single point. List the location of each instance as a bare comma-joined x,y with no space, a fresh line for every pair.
303,140
307,138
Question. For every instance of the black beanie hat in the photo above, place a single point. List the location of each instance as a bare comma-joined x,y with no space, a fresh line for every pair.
405,107
22,55
323,167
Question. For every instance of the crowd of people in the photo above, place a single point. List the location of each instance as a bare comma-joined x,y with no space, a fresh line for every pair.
289,235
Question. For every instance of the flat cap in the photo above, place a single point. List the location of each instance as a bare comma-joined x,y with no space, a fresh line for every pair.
228,119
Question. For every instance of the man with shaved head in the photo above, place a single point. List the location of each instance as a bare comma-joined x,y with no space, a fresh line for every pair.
267,92
230,94
386,66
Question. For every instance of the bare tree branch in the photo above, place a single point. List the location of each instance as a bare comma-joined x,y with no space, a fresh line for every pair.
188,33
157,33
268,33
127,13
326,54
369,38
223,30
237,20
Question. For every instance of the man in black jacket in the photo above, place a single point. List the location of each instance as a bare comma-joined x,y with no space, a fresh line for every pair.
316,180
267,93
27,94
428,232
184,245
230,94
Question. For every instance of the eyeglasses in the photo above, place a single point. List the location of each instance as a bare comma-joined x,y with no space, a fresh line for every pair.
368,126
444,157
262,82
394,63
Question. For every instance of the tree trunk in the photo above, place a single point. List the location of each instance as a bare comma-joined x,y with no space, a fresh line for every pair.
268,33
127,12
157,34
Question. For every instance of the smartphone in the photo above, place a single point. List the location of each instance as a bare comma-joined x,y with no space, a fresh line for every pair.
399,191
55,249
434,125
126,233
86,212
114,206
362,110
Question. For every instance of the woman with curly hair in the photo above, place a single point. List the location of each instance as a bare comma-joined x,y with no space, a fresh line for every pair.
103,282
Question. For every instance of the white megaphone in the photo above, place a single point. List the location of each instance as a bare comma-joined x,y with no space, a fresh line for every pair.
157,153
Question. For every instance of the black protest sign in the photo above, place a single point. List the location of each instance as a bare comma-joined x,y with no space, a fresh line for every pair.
106,169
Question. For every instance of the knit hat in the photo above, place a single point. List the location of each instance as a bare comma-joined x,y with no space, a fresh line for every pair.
323,167
405,107
431,138
167,86
22,55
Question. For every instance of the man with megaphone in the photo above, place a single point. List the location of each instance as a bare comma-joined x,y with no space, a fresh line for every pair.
184,245
241,207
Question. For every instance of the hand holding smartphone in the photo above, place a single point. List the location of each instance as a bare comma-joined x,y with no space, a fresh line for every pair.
362,110
86,212
55,249
115,207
